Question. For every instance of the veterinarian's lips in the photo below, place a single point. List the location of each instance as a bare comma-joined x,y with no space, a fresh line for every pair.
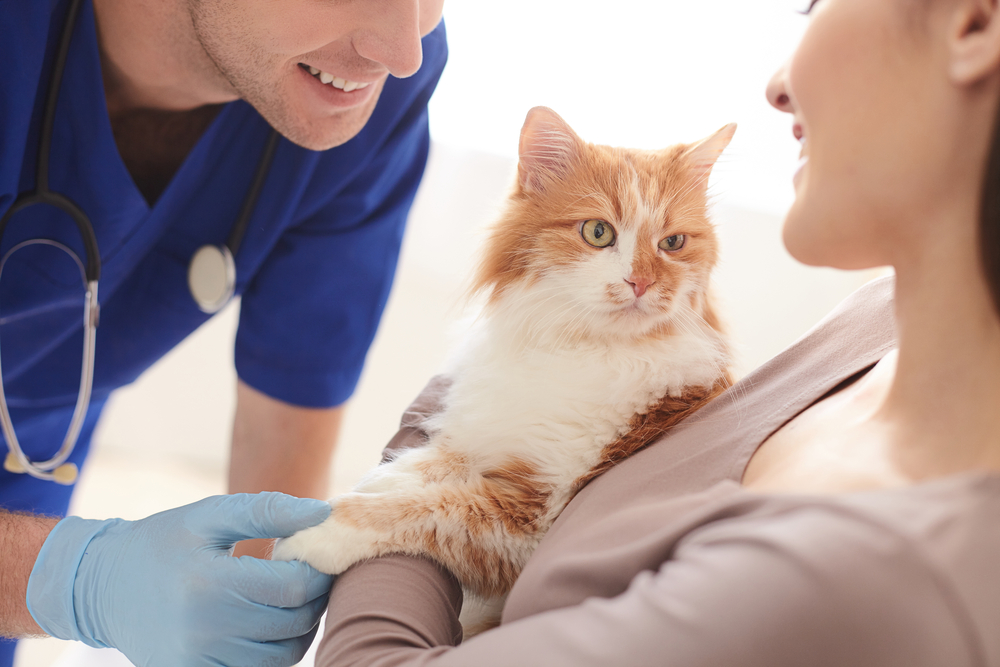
335,81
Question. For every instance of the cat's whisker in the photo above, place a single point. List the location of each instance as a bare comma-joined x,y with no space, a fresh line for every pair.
738,396
571,328
533,328
685,320
565,328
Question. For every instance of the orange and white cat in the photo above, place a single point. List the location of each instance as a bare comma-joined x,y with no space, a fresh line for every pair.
598,333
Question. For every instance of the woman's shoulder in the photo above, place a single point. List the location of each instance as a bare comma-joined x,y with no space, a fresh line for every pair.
925,554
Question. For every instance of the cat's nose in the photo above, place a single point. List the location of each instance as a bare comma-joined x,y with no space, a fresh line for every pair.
639,284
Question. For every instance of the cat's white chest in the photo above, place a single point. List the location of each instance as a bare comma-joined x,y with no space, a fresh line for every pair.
562,406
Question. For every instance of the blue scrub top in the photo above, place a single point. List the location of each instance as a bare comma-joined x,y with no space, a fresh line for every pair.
314,269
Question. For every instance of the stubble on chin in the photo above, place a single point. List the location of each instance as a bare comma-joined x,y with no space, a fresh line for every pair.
320,133
257,77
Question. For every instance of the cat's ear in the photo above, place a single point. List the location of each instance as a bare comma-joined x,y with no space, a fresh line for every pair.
703,155
547,150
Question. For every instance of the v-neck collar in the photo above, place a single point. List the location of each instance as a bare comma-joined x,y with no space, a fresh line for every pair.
83,122
821,360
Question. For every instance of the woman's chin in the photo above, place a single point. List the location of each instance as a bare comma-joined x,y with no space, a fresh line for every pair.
805,234
819,241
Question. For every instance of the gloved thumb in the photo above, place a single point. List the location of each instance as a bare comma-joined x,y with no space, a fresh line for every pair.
243,516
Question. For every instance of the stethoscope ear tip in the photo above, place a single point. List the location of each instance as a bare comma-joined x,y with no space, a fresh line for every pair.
12,464
65,474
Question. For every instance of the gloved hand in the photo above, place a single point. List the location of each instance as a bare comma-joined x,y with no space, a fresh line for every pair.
165,590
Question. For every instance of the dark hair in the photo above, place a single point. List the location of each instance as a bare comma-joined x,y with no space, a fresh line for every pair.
989,220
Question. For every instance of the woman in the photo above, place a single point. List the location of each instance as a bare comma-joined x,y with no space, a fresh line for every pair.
839,506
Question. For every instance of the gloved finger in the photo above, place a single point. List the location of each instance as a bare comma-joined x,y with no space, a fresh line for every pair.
275,583
264,654
225,520
272,624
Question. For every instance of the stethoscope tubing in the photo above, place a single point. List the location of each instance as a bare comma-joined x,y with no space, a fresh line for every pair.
92,270
263,167
91,314
90,273
221,293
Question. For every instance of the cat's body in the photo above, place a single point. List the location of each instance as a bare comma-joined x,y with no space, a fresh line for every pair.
586,350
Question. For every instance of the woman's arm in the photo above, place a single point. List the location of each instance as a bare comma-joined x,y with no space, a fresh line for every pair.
803,589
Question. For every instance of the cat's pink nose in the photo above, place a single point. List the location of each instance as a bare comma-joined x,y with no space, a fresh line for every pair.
639,284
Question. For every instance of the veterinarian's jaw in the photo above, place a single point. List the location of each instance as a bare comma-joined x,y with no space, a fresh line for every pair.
266,52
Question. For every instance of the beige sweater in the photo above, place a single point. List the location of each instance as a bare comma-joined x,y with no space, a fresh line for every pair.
667,560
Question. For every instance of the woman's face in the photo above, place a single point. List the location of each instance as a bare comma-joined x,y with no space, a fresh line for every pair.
865,89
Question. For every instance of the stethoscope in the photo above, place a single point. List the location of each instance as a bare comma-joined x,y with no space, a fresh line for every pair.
211,273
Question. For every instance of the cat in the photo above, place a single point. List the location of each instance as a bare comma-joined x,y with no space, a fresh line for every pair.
597,334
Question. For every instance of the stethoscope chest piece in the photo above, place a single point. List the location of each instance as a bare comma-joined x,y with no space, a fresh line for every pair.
212,277
212,271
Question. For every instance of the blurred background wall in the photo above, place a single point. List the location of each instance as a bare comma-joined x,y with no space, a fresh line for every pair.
638,73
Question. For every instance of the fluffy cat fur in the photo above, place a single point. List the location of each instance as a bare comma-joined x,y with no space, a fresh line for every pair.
581,356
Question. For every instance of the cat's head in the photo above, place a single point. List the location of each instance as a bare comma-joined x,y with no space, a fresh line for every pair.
603,242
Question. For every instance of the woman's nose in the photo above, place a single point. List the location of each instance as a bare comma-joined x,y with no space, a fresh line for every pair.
777,93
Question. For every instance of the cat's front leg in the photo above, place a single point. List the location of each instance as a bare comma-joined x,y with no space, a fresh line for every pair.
334,545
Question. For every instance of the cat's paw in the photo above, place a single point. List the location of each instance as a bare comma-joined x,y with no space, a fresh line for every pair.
331,547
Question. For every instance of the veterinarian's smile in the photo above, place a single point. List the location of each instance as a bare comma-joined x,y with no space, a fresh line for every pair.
335,81
338,93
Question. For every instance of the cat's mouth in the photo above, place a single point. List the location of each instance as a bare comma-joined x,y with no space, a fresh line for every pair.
634,308
335,81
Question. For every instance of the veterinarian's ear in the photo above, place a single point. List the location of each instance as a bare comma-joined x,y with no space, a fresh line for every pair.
703,155
547,150
973,41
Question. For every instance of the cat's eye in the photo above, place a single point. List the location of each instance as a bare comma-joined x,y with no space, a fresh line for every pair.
673,243
597,233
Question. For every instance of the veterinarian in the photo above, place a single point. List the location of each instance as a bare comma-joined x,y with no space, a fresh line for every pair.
158,158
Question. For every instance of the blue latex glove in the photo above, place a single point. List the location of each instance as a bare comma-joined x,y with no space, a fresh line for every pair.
166,591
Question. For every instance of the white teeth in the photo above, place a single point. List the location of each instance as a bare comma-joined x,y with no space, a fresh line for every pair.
336,82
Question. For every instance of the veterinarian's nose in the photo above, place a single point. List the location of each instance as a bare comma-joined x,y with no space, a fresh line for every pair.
639,284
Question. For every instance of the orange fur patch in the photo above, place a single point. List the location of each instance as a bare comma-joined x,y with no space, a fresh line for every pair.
450,465
648,427
476,526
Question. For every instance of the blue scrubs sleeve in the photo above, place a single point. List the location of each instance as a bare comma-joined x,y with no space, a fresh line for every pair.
310,314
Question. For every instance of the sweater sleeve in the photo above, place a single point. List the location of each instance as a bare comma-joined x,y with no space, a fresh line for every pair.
811,587
411,431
